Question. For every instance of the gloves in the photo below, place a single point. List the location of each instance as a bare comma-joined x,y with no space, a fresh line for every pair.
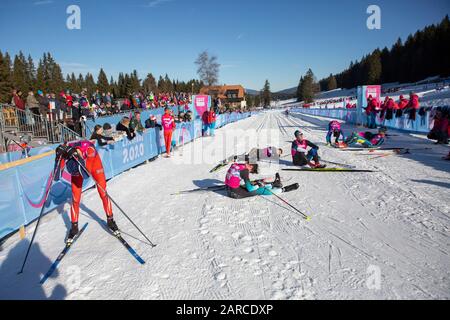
65,152
61,152
71,152
260,183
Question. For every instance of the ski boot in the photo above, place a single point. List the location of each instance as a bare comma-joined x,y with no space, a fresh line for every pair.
316,165
72,233
277,183
113,226
290,188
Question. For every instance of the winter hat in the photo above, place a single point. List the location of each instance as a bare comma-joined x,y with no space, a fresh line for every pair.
39,92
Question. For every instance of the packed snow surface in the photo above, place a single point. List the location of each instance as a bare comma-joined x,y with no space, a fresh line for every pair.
381,235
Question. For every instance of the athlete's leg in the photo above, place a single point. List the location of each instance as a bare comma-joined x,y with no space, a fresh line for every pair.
77,186
98,173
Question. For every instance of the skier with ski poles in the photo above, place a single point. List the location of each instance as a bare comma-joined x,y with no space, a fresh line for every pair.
240,173
70,156
300,154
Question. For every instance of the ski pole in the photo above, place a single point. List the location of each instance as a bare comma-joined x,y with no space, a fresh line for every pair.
213,188
308,218
47,192
112,200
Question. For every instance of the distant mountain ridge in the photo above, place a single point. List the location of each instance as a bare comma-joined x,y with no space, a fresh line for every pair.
290,91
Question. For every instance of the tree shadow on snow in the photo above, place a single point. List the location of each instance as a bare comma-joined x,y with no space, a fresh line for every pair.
26,286
436,183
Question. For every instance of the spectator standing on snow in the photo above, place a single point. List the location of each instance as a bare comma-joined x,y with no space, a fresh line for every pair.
413,106
32,103
43,104
440,128
168,124
402,103
212,118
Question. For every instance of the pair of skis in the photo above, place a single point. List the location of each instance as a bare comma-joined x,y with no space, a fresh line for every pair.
326,170
68,246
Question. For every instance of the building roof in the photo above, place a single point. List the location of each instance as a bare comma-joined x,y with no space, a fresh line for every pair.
221,91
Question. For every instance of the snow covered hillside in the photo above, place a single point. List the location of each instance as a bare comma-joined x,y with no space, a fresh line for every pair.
394,223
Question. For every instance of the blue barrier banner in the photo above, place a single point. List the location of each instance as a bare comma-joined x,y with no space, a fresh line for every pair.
422,124
23,187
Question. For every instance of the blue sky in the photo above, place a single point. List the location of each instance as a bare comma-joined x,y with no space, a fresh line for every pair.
253,39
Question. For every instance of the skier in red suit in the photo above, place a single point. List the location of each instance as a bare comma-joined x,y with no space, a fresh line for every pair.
87,155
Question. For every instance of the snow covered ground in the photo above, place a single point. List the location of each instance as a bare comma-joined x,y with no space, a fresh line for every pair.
393,223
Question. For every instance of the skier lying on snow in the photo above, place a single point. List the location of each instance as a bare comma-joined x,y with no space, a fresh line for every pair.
265,158
87,155
239,173
334,129
300,154
367,139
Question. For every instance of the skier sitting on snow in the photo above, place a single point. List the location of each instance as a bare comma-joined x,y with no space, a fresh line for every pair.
239,173
367,139
334,129
301,156
87,155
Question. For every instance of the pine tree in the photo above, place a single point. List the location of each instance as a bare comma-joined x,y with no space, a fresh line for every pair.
161,84
300,90
89,83
309,87
30,73
168,84
19,73
135,82
74,87
149,84
6,84
266,95
102,82
121,85
374,68
81,85
128,86
331,83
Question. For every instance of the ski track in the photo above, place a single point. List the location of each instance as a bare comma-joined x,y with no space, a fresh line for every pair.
212,247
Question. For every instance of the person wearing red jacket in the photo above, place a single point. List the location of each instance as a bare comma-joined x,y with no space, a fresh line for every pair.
205,117
440,129
413,102
402,103
18,101
168,124
413,106
212,118
371,112
85,153
389,108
